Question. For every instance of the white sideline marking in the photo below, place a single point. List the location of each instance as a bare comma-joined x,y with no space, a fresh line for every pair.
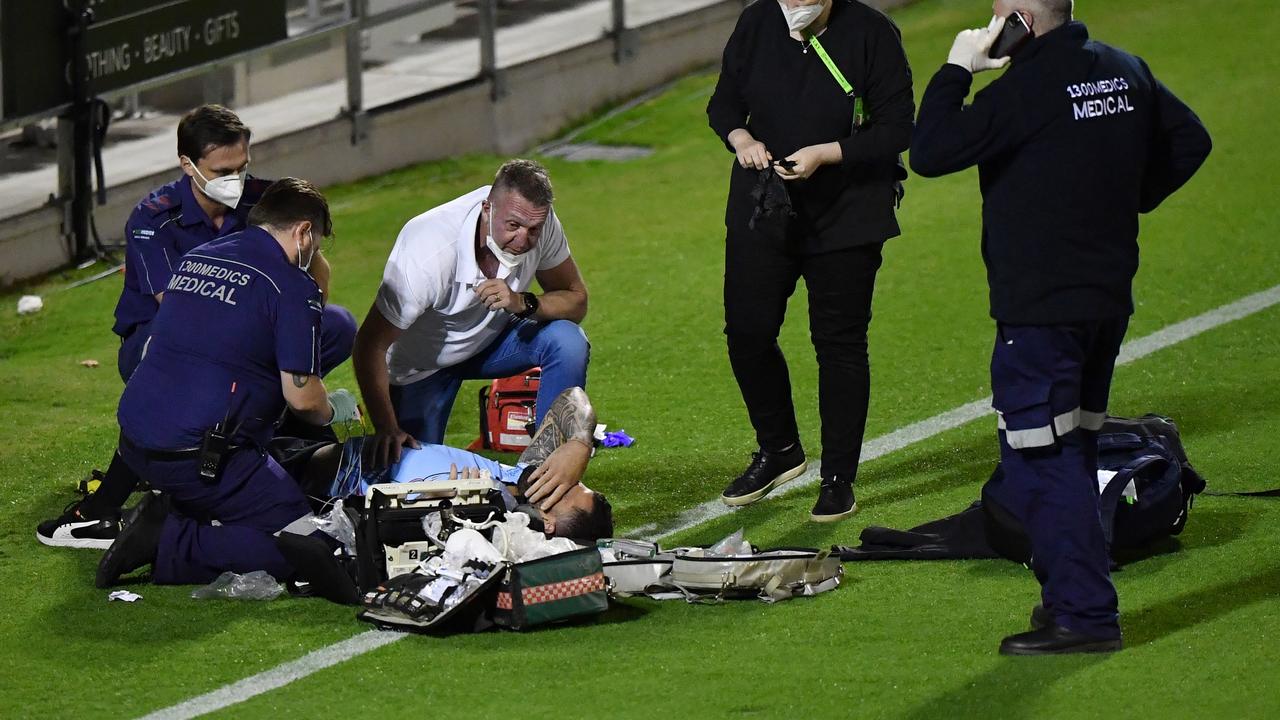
278,676
282,675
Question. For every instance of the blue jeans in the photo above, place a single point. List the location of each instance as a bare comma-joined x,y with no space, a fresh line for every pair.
559,347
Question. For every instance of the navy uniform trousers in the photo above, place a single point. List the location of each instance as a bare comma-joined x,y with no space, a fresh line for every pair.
230,525
227,525
1050,385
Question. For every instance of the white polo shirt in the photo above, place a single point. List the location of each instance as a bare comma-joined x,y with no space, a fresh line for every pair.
428,287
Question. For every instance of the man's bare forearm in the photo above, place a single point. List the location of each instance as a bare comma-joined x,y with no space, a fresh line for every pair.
570,417
375,383
562,305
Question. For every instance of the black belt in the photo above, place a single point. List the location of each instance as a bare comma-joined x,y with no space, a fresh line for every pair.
160,455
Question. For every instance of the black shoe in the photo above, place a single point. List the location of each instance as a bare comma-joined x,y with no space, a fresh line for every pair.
1056,640
835,500
138,541
78,527
766,472
314,563
1040,617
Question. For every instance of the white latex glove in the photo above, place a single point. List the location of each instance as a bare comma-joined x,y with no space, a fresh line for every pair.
970,49
344,406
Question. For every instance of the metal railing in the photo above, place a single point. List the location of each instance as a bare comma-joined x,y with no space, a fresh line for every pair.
352,22
487,16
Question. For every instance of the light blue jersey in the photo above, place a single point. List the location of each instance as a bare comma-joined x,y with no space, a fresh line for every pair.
425,463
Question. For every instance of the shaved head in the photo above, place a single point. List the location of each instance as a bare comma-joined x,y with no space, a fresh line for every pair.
1046,15
1057,12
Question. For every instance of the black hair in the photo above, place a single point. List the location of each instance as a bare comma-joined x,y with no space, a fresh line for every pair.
208,127
290,200
528,178
588,525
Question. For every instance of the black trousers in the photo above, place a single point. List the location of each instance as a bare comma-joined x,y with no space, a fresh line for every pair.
761,270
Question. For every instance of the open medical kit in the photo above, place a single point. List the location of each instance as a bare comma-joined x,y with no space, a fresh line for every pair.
428,563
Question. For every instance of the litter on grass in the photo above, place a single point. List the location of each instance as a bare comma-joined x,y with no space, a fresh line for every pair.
257,585
28,304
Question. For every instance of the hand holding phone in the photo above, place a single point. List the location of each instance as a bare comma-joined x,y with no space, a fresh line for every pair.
972,49
1015,34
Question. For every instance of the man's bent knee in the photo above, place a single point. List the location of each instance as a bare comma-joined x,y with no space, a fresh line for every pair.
566,341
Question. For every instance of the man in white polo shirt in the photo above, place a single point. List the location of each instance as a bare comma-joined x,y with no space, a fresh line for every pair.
455,304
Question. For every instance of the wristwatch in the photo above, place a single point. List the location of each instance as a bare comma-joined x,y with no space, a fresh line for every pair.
530,305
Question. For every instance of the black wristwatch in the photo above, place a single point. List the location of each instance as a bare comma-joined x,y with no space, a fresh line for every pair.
530,305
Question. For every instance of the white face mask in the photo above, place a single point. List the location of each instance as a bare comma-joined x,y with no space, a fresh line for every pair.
226,189
506,259
801,17
307,266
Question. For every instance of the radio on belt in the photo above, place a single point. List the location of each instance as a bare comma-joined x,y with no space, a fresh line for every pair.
215,444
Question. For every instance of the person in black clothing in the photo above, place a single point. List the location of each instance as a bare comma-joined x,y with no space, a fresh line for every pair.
1072,143
812,195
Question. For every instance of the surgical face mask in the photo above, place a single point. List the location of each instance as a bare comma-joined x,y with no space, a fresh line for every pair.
226,189
312,256
801,17
506,259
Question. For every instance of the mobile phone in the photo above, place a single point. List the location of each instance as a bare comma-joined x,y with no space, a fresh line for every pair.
1012,37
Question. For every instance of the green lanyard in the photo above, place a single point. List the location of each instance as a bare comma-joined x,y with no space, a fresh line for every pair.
859,115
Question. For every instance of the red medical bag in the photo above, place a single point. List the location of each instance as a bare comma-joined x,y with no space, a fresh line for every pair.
507,411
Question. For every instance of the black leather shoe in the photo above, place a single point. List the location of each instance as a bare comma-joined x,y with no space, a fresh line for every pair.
1040,617
835,500
136,545
1056,640
766,472
315,564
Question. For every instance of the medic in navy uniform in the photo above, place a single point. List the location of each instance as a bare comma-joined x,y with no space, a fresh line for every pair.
211,200
201,407
1072,143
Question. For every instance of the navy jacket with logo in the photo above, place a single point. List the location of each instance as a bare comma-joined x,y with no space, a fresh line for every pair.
1072,143
163,227
236,313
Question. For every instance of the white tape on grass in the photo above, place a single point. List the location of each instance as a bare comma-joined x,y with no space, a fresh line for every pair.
916,432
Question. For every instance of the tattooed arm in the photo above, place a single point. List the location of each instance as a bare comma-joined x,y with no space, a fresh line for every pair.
306,396
561,448
570,417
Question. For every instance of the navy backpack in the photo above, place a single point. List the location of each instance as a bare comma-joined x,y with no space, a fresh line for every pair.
1148,460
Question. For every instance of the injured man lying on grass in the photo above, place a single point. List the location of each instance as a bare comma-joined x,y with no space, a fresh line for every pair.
545,483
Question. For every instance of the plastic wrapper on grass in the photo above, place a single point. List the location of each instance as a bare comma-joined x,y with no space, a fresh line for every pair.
257,585
617,438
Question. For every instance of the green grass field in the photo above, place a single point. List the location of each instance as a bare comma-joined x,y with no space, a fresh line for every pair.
1202,620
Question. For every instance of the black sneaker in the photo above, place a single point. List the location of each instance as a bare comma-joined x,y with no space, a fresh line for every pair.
136,545
77,527
835,500
766,472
